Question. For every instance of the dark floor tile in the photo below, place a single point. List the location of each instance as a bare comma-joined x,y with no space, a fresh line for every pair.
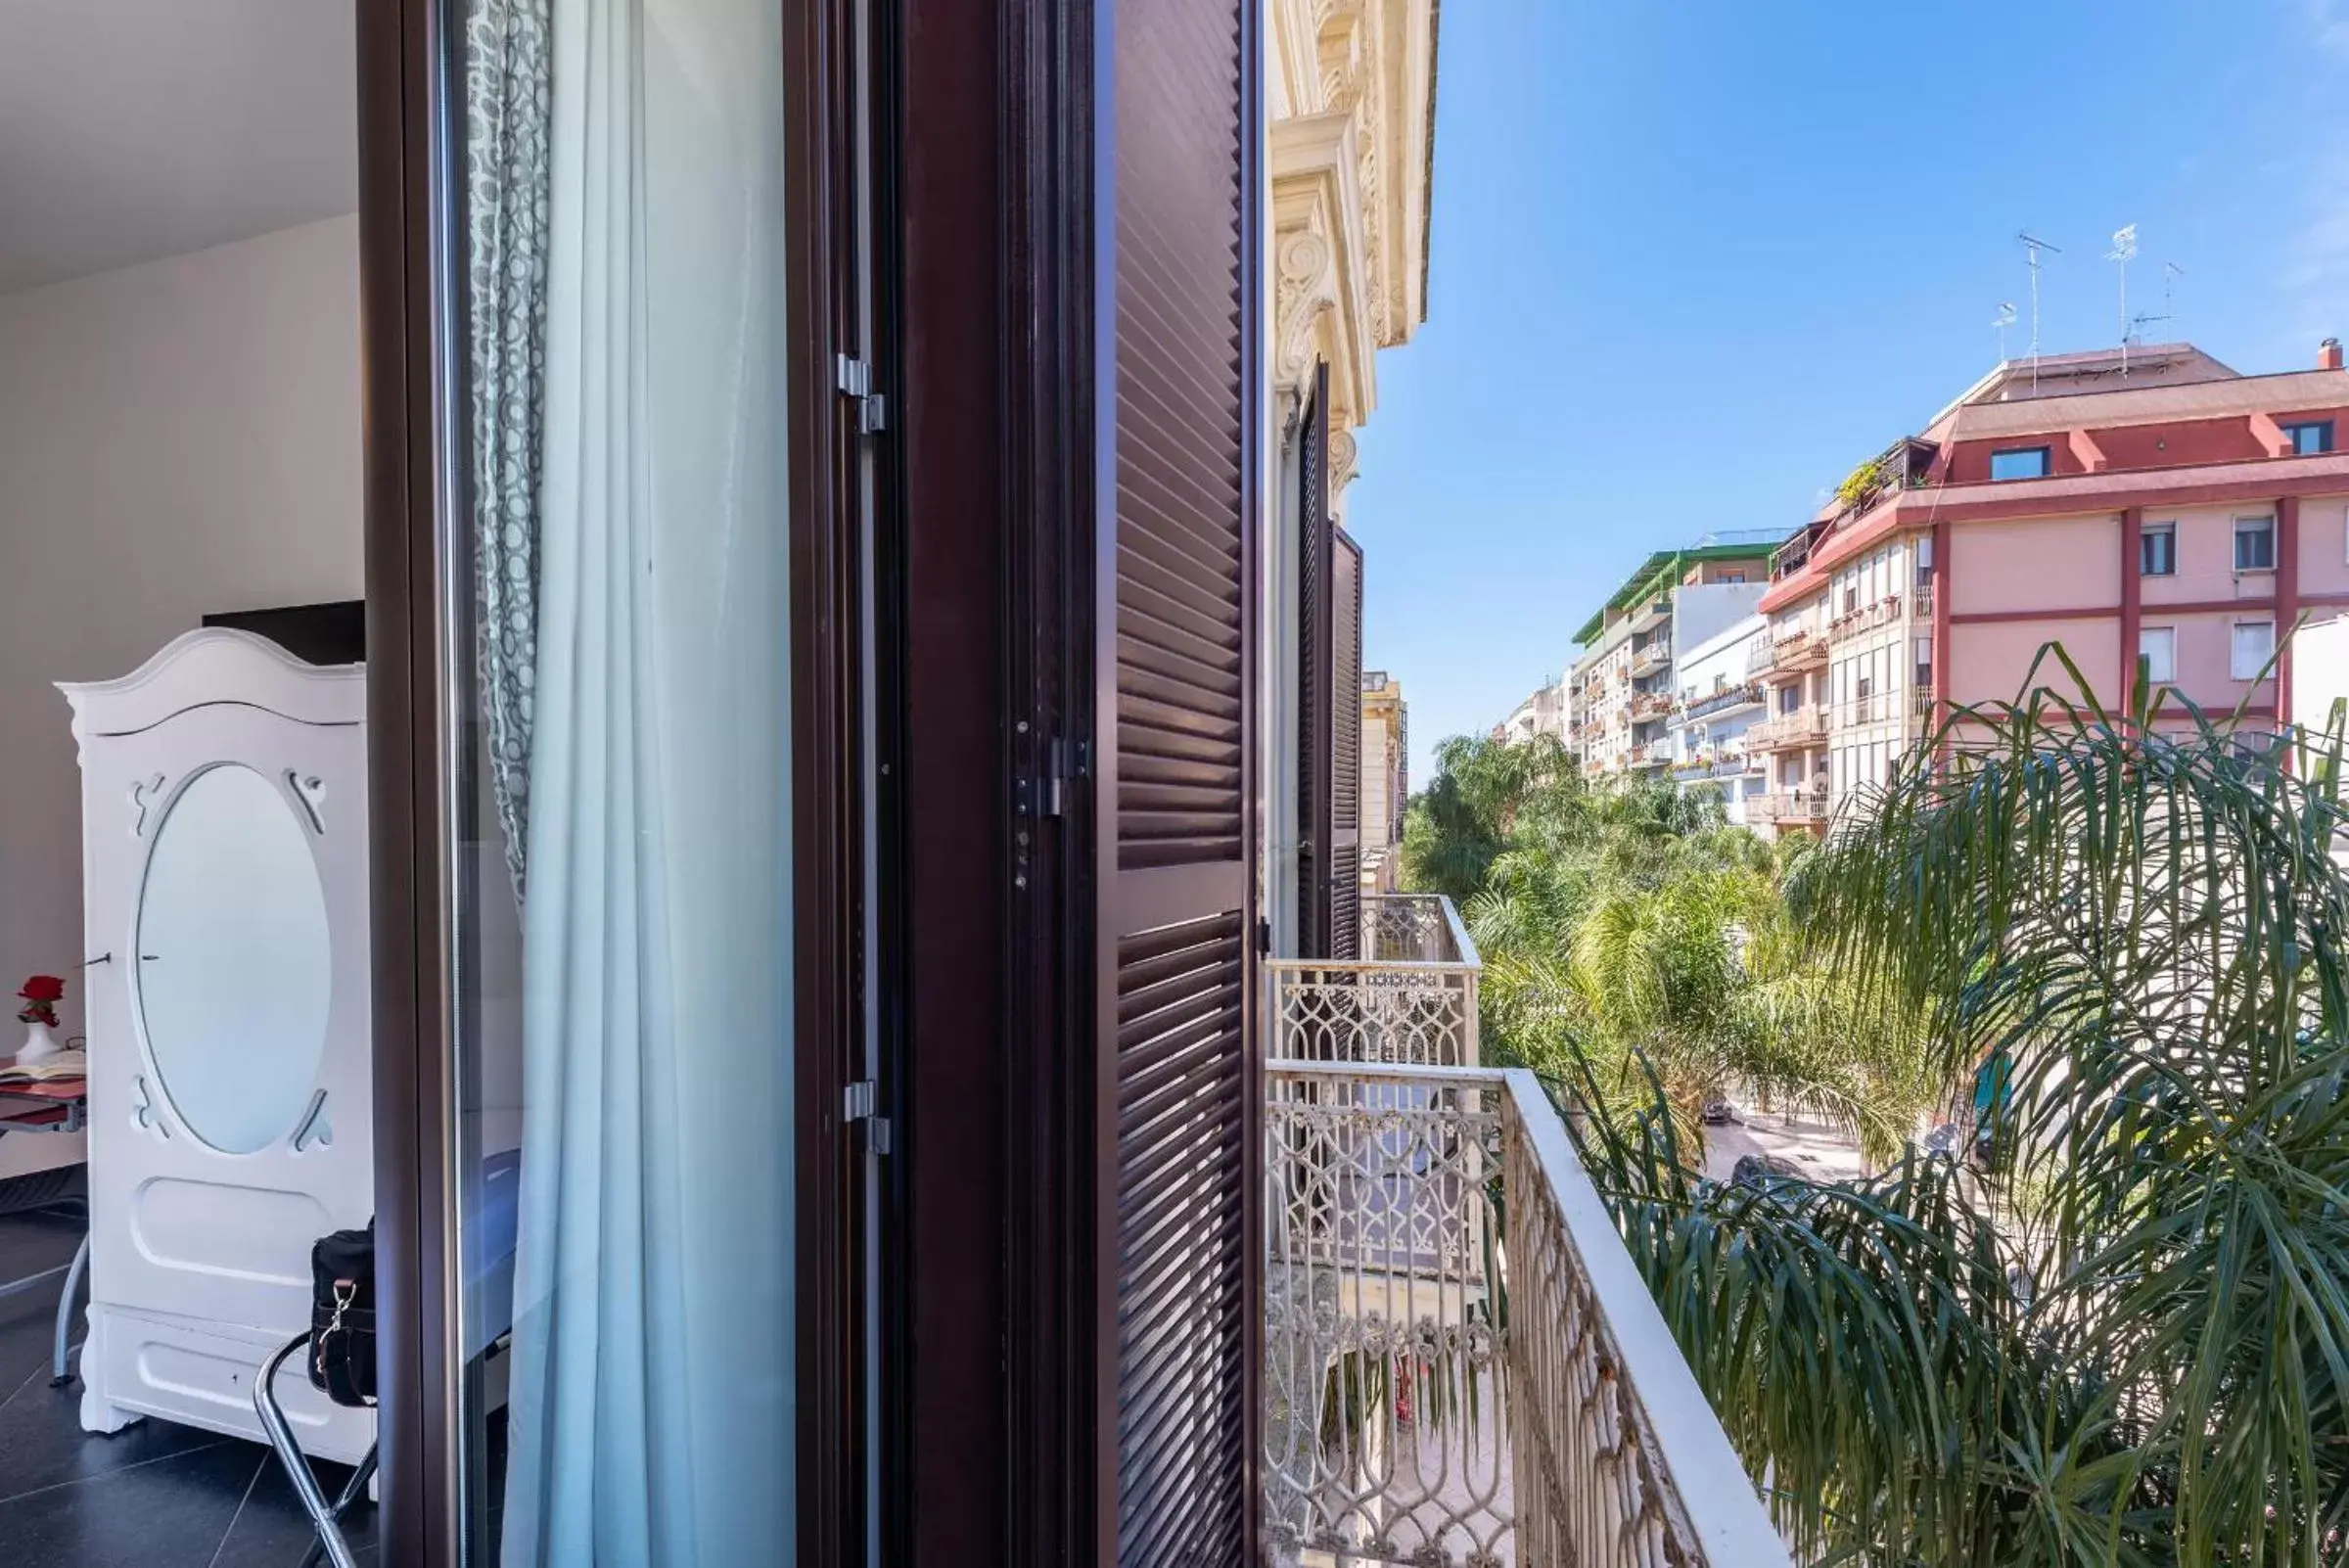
271,1530
168,1513
43,1442
28,1244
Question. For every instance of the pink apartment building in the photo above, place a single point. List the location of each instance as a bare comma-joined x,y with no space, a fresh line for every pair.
2176,512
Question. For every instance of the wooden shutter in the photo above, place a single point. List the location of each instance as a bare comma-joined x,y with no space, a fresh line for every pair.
1179,1079
1346,747
1316,568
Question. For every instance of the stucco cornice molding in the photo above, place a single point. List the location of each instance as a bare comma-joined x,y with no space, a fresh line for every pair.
1320,307
1370,63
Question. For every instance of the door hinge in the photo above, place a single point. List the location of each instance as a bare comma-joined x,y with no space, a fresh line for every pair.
854,378
862,1101
1066,765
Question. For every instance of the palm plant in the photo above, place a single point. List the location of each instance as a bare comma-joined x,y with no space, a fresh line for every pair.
2130,1344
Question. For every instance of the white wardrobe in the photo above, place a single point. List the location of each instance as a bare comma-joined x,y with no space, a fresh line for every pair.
224,884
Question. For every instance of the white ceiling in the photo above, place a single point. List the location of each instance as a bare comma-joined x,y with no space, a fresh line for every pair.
132,129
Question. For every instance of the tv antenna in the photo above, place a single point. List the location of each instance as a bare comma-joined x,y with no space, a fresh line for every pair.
2003,320
2124,251
2035,245
2171,272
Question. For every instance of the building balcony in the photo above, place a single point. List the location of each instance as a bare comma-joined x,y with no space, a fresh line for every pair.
1650,659
1461,1362
1875,707
1648,705
1805,726
1653,754
1865,618
1804,806
1921,601
1656,612
1712,762
1730,700
1791,652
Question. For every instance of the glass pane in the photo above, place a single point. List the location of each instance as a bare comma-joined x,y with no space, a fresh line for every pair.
623,860
2029,463
234,967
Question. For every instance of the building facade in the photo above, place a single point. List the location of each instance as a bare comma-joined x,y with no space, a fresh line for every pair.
2175,516
1543,713
1620,692
1720,698
1350,90
1386,776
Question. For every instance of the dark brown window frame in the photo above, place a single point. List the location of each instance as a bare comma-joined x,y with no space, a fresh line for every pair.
405,133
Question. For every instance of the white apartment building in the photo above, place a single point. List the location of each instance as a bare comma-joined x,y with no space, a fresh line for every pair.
1718,698
1620,693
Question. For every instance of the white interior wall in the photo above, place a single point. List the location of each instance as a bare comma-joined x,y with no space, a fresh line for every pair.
176,437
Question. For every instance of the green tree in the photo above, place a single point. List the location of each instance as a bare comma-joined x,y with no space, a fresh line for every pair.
1627,927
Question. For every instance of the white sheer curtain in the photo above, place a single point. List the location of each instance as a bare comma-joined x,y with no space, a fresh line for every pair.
651,1407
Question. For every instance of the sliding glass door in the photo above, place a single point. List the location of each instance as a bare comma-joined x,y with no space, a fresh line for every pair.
615,671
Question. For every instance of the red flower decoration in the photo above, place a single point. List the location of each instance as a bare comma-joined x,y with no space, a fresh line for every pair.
43,989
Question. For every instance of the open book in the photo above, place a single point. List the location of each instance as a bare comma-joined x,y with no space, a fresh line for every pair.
64,1064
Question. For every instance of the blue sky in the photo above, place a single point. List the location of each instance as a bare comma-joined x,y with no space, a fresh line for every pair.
1692,262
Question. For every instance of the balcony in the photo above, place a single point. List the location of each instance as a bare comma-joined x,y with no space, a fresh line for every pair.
1461,1362
1865,618
1867,708
1806,804
1711,761
1650,659
1800,649
1805,726
1655,612
1648,705
1728,700
1655,753
1921,601
1412,999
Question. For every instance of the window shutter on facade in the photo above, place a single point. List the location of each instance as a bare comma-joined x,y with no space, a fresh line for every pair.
1317,570
1178,1060
1345,749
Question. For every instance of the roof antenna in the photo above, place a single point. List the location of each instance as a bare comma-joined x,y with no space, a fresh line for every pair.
2124,251
2171,272
2004,320
2036,245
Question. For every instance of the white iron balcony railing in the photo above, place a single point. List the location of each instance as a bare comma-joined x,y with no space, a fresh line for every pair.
1462,1366
1412,999
1462,1363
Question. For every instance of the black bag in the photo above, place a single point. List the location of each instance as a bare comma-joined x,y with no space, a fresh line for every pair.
342,1316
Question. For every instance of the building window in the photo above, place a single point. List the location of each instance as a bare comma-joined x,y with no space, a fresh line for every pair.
1924,664
2157,654
1732,576
2254,642
2311,438
2019,463
2158,551
2255,544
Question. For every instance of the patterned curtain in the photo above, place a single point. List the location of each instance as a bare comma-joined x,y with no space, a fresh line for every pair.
509,108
